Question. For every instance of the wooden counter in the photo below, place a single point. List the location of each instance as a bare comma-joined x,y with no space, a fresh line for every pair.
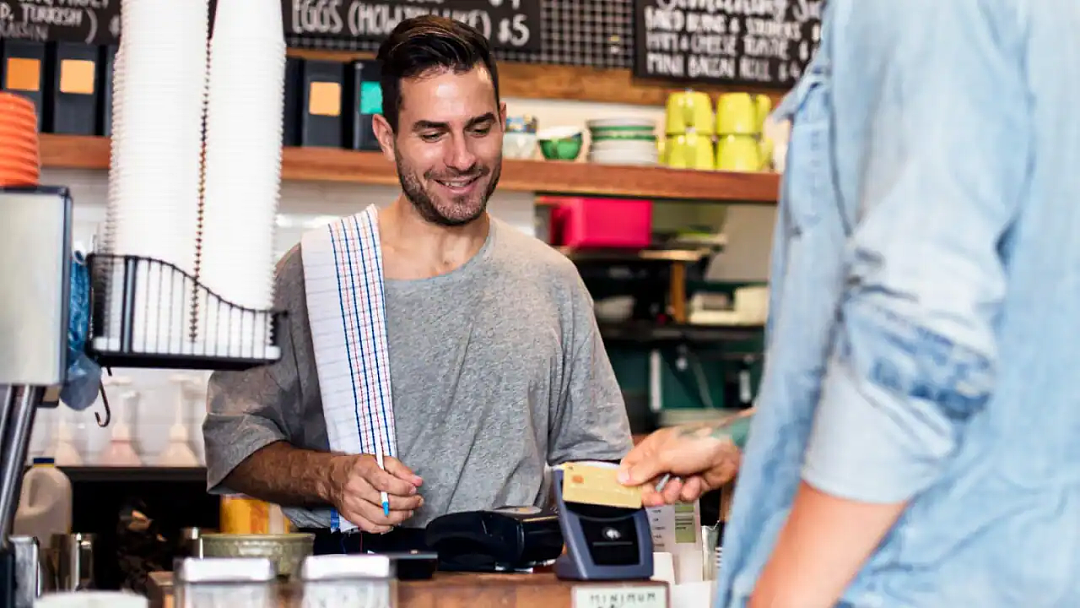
449,590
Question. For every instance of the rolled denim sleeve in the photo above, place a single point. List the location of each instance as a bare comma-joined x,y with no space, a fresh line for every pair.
943,161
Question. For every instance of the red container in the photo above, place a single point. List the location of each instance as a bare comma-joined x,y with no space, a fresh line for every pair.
602,223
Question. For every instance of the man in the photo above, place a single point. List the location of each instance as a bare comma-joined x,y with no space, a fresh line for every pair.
916,436
495,361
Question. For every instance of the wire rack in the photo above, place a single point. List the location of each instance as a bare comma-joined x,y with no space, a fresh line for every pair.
148,313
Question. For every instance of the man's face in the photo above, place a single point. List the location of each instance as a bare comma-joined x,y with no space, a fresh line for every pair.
448,147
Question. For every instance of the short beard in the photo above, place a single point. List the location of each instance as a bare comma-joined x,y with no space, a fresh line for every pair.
425,206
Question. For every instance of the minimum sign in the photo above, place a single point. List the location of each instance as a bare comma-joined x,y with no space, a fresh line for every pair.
593,596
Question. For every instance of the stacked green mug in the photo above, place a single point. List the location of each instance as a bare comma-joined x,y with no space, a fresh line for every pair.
740,120
623,141
689,124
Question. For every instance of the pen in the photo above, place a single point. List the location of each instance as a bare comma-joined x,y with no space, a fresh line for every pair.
382,495
663,482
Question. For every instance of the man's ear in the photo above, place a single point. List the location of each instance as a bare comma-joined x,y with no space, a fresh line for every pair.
502,114
384,134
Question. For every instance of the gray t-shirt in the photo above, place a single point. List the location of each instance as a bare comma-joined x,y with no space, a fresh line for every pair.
497,370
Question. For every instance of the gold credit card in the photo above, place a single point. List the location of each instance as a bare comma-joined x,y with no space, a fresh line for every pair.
596,485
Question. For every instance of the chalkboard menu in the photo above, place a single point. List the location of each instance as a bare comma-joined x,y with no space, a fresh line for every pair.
87,21
765,43
508,24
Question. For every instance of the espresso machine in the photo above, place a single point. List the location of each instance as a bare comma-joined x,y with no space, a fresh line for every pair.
35,252
35,306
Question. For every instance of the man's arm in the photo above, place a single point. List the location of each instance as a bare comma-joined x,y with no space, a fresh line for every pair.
589,420
941,177
253,416
285,475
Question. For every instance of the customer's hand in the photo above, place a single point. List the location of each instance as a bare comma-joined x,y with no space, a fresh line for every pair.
356,482
699,457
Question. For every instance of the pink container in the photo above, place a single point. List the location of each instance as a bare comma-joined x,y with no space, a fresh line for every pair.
602,223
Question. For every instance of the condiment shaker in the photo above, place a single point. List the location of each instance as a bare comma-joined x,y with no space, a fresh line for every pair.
358,581
225,582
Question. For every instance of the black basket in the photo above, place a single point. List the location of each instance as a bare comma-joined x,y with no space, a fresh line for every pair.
122,324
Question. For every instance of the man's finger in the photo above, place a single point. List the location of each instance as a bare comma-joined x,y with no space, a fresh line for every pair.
650,497
401,503
629,461
362,522
636,473
384,481
692,489
671,490
364,490
398,469
374,514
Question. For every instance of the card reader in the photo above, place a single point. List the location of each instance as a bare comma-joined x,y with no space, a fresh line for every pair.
603,543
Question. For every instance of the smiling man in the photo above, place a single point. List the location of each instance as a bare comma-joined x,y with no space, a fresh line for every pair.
460,348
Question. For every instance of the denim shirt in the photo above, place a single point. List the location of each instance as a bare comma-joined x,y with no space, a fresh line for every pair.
924,330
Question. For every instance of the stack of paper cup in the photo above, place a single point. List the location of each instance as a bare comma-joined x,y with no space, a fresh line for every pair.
106,233
242,175
160,85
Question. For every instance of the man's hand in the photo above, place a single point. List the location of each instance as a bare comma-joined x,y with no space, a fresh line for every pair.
704,456
357,480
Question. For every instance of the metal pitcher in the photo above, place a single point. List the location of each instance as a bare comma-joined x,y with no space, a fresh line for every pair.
71,562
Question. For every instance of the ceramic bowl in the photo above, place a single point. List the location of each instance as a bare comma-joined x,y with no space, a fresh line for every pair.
519,145
286,551
560,143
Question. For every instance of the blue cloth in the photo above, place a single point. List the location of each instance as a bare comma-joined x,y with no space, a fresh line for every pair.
925,304
83,377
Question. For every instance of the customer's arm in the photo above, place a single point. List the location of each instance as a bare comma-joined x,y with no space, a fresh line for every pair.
939,182
588,416
254,415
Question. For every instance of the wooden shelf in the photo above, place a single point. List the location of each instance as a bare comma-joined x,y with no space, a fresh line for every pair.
542,177
614,256
651,333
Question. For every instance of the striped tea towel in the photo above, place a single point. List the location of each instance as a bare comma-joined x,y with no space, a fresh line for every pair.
343,277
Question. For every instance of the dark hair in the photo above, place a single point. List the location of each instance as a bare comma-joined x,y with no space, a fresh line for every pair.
423,44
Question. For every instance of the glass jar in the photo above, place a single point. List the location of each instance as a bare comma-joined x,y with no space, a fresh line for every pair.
358,581
225,583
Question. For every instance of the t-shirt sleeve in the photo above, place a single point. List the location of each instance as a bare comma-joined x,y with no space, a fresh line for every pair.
251,409
589,420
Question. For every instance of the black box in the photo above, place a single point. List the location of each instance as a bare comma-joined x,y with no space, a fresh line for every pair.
74,92
321,116
365,100
22,64
294,86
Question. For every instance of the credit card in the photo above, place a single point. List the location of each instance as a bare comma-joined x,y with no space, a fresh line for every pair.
597,485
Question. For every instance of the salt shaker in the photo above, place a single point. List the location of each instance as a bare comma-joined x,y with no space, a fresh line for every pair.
358,581
226,582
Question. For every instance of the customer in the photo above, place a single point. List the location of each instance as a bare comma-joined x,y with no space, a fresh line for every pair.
917,435
496,366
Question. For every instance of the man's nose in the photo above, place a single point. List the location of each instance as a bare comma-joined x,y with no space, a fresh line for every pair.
459,157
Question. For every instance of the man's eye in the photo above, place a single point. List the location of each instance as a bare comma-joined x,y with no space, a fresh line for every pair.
481,131
430,136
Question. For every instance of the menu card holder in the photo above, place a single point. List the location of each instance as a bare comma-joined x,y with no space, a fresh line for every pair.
74,91
321,121
365,96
